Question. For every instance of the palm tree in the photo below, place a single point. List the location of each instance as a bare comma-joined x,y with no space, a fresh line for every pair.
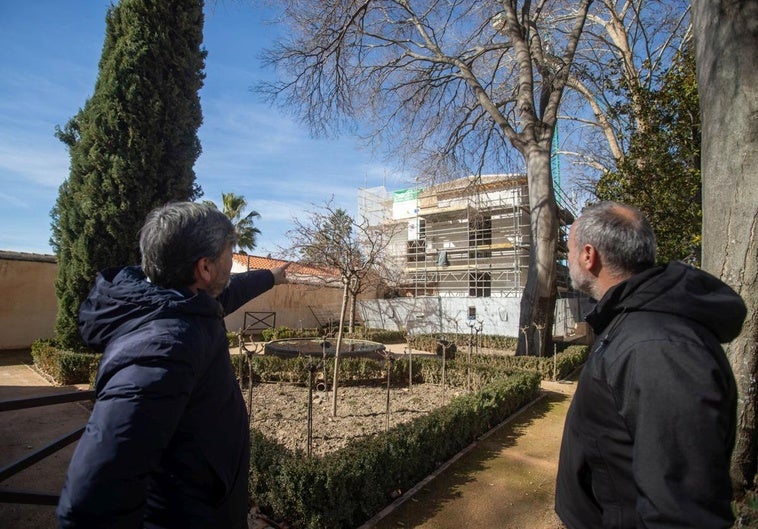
233,208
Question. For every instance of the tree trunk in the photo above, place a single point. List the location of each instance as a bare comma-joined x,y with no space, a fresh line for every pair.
726,55
354,286
340,331
538,300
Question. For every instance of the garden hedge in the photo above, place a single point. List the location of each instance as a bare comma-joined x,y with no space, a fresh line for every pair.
345,488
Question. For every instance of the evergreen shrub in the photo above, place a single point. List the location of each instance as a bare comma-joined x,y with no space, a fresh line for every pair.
283,332
379,335
63,366
233,338
425,368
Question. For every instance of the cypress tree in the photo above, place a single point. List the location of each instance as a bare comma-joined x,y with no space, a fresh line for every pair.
132,146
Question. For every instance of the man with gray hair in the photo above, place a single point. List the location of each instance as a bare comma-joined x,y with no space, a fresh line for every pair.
650,431
167,443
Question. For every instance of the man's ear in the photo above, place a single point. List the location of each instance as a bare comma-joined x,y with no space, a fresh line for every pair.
590,259
202,271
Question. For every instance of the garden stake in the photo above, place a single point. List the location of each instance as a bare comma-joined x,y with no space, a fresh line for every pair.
311,369
410,370
388,357
324,345
468,356
443,344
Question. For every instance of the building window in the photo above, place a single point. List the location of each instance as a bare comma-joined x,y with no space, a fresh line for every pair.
480,234
479,284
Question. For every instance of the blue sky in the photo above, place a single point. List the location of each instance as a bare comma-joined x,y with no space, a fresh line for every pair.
49,51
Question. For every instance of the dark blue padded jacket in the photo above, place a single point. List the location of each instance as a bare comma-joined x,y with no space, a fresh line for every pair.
650,431
167,444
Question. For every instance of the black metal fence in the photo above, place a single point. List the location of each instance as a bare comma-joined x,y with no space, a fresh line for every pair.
29,497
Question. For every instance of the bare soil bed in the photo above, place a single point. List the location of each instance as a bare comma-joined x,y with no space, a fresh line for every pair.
280,411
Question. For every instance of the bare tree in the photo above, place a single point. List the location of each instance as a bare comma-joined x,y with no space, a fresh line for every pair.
726,55
450,84
329,237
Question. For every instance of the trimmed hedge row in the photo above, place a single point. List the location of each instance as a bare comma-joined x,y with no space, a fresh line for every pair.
374,335
425,342
379,335
554,367
483,369
282,332
65,367
69,367
428,342
347,487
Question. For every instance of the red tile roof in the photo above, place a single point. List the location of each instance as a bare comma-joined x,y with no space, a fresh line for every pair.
254,262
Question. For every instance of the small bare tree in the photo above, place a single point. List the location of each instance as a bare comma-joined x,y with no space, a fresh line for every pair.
329,237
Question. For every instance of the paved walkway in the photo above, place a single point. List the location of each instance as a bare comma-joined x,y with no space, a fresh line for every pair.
23,431
505,480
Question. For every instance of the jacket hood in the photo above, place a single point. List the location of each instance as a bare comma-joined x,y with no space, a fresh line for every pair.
123,299
678,289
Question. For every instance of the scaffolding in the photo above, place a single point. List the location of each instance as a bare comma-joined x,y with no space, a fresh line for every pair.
465,238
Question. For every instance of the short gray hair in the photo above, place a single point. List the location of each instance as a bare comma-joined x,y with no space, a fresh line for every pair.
620,233
175,236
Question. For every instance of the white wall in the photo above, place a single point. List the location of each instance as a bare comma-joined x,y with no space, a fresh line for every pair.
500,316
441,314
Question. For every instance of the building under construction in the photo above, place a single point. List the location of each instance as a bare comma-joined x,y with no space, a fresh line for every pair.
466,240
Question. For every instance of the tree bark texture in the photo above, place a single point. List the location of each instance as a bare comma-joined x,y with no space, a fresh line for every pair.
726,33
538,300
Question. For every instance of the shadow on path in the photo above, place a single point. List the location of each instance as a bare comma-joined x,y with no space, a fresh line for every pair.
26,430
506,480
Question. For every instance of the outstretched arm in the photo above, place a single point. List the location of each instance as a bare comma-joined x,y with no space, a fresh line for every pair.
248,285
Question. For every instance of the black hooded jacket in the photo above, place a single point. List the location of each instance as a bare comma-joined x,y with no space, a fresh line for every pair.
650,432
167,444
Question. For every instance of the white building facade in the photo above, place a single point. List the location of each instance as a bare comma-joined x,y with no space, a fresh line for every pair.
461,256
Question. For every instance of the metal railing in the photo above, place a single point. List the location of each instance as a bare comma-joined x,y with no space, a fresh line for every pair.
256,321
29,497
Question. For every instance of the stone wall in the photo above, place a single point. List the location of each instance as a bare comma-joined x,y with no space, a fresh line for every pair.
27,298
28,305
297,306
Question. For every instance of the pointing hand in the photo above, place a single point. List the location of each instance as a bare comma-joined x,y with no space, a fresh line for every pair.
280,274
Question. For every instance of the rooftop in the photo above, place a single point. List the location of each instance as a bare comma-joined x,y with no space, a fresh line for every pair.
243,263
